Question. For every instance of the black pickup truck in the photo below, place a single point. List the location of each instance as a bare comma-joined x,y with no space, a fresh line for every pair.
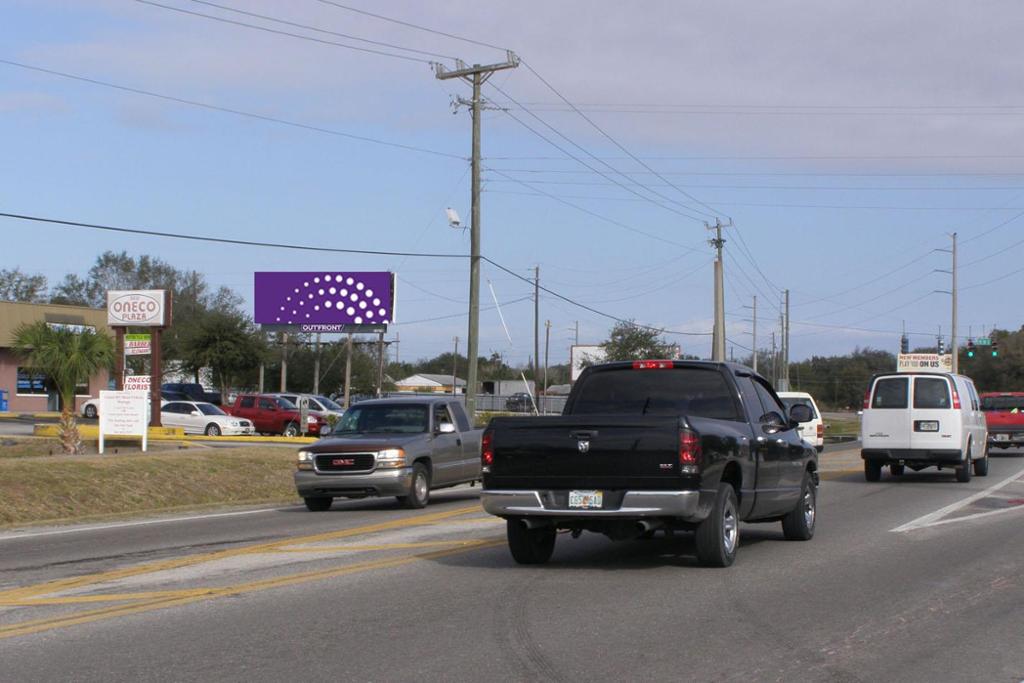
648,445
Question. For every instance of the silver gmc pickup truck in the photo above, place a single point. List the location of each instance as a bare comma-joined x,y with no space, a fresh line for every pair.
402,447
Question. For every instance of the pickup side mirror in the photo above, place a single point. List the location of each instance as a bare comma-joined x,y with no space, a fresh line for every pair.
772,423
800,413
446,428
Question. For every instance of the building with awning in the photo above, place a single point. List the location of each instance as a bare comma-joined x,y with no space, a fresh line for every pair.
30,391
432,383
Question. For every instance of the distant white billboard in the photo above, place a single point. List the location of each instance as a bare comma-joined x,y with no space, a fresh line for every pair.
583,355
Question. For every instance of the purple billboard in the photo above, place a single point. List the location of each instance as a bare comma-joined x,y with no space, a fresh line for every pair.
324,298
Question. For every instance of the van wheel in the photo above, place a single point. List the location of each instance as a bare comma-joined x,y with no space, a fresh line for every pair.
529,546
872,470
963,472
798,524
718,536
981,466
896,470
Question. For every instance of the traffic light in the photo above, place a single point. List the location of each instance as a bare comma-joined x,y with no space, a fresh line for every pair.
904,344
995,348
942,346
970,348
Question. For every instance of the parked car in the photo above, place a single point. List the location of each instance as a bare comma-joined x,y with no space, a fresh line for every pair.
321,405
519,402
813,431
91,408
919,420
194,392
1004,415
402,447
203,418
275,415
648,445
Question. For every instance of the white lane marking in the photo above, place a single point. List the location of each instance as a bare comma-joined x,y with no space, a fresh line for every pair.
933,518
16,535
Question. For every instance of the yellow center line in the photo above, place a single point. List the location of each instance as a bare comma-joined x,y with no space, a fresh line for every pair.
381,546
38,625
112,575
101,597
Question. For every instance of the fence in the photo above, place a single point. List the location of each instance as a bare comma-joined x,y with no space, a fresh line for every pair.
547,405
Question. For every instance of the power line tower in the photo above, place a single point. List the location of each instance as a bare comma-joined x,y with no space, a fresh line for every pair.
718,335
476,76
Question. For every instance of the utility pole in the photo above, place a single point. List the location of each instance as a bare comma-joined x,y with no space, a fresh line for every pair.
316,366
754,343
380,364
476,76
547,347
577,333
775,377
348,370
718,335
785,345
455,366
536,324
952,335
397,340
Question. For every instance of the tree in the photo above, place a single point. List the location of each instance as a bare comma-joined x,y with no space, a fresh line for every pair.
628,341
226,343
16,285
67,358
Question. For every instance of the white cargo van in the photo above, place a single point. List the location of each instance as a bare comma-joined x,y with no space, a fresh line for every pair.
812,432
920,420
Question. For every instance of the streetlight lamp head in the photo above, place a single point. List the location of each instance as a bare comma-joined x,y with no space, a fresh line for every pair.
453,217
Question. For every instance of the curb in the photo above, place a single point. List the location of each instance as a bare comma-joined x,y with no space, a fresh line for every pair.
92,433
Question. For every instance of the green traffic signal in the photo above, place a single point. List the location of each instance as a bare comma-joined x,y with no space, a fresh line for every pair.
970,353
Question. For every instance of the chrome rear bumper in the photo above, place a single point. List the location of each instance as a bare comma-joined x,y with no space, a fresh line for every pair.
684,505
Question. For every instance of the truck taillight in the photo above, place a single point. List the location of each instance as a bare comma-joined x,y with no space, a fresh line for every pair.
956,399
821,430
652,364
867,397
487,450
689,451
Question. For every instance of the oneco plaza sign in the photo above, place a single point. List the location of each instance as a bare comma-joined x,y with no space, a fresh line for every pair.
325,301
137,308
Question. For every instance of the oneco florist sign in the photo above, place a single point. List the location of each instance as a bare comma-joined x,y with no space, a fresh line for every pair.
924,362
137,308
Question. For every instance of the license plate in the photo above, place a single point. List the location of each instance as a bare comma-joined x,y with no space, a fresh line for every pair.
928,425
1002,437
585,499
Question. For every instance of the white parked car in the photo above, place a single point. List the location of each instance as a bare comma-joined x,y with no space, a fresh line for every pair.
919,420
321,405
91,408
196,417
812,432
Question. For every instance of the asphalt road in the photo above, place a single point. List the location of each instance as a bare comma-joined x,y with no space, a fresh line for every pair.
910,579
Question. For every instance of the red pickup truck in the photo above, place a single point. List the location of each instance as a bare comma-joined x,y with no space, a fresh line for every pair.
275,415
1004,413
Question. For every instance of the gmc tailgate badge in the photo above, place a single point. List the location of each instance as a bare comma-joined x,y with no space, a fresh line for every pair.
583,445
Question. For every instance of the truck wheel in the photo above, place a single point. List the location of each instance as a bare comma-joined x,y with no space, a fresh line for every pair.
290,430
872,470
529,546
963,472
419,488
896,470
718,536
981,466
212,430
318,503
798,524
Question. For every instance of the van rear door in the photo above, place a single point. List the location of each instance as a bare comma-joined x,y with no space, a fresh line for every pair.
936,420
886,422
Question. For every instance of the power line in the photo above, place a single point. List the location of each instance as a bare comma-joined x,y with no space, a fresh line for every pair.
220,240
783,157
320,30
463,315
408,24
229,110
590,308
279,32
854,188
615,142
741,105
794,174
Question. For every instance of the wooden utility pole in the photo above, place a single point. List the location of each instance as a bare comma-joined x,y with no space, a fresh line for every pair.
536,324
348,371
316,366
476,76
455,367
718,334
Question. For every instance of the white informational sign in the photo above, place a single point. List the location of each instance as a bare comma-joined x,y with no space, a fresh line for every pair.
137,383
137,345
124,413
137,308
581,356
924,362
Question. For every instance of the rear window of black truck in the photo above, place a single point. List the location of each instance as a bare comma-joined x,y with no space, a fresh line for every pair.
699,392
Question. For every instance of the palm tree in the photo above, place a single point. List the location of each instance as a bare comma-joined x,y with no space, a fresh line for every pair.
67,358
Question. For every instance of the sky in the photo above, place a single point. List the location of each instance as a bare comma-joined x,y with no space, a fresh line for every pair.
844,142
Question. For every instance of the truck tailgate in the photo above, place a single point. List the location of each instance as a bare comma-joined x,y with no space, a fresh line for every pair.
587,451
